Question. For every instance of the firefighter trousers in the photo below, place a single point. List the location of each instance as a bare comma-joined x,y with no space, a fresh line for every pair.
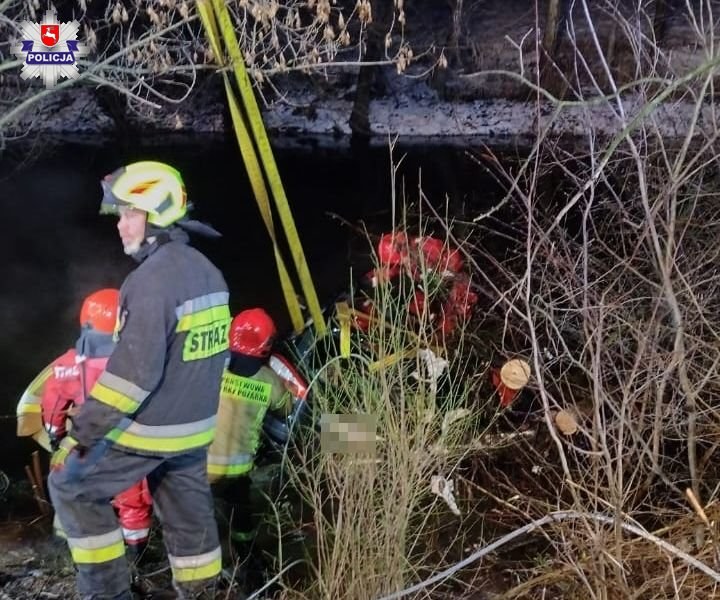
82,491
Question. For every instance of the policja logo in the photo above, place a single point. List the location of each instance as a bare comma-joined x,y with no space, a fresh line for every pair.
56,50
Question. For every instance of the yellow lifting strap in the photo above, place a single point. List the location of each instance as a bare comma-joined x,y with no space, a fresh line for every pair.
209,10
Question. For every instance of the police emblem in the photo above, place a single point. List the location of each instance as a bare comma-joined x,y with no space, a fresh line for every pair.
49,34
50,49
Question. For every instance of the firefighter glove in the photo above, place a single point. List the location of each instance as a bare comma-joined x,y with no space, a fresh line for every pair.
67,445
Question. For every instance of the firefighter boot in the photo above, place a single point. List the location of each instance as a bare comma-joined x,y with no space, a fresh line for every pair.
201,590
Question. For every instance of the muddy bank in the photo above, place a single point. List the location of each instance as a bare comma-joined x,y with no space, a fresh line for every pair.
470,102
33,564
412,118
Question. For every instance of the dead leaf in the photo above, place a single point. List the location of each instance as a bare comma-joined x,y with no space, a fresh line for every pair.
444,488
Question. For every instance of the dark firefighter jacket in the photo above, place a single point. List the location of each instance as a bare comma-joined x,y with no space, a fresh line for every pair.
159,392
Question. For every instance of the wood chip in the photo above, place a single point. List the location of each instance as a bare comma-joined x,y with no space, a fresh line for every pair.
566,422
515,374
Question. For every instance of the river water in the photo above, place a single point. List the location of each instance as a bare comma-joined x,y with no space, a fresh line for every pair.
56,248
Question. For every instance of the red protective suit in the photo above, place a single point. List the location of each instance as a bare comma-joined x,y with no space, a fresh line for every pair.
64,390
398,254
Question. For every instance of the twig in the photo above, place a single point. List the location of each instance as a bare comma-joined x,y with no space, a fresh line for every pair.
256,593
700,511
36,491
37,472
555,517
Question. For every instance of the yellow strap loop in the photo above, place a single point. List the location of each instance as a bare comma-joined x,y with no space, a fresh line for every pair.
342,310
268,160
390,359
206,9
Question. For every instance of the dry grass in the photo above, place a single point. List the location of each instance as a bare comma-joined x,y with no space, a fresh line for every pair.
372,513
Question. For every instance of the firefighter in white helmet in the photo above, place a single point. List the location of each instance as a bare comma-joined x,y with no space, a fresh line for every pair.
152,411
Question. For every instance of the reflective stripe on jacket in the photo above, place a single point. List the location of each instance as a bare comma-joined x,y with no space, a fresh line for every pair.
159,392
243,404
29,417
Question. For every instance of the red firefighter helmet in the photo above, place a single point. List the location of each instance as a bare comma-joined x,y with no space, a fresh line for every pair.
391,248
438,255
252,332
99,310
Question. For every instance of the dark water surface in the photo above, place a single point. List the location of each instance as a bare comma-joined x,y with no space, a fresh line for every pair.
56,248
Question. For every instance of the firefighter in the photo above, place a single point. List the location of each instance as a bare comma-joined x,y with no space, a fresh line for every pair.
249,389
151,413
441,288
72,376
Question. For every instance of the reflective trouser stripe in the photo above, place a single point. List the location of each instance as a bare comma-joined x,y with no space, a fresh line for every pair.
229,470
194,568
119,393
97,548
164,438
58,528
135,535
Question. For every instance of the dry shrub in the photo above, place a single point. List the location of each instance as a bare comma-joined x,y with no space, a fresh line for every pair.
376,518
607,273
153,53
